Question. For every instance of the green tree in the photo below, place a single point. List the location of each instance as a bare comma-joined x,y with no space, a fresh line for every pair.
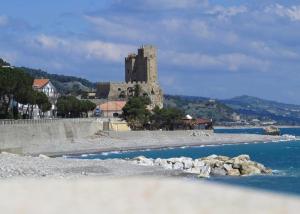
43,102
14,85
136,113
70,106
166,118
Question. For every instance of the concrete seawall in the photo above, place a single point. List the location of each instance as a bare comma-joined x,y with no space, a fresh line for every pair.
17,136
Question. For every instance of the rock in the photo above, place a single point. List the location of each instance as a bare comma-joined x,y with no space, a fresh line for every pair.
173,160
139,158
249,169
198,163
163,163
144,161
234,172
211,165
193,170
218,171
243,157
168,166
158,162
222,158
43,156
178,166
227,167
187,163
204,171
210,157
267,171
213,162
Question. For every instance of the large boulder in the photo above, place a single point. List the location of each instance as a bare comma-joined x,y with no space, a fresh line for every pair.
227,167
204,171
198,163
234,172
187,163
249,169
178,166
243,157
218,171
144,161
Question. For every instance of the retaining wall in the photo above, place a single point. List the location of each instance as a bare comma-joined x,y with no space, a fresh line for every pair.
17,135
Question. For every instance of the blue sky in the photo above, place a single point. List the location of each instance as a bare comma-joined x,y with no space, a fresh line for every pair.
209,48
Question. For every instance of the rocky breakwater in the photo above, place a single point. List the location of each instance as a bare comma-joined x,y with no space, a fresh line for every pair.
209,166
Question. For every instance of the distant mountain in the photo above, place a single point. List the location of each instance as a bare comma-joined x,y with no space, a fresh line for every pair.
253,107
246,106
200,107
64,84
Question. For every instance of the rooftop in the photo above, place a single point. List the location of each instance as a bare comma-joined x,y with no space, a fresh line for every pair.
112,106
40,83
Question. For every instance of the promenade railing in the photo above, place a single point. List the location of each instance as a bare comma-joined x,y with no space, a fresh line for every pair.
43,121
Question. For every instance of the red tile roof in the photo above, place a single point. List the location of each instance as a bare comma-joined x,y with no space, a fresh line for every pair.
112,106
39,83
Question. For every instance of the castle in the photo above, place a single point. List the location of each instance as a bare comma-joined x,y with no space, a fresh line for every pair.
141,69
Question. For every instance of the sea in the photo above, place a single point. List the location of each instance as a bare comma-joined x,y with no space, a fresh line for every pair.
282,157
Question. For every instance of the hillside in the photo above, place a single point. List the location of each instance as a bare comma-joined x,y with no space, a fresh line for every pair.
253,107
200,107
64,84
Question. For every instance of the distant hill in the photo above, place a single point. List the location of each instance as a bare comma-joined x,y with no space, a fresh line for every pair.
64,84
200,107
253,107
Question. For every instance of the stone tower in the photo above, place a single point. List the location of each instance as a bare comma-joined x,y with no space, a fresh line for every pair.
143,66
141,69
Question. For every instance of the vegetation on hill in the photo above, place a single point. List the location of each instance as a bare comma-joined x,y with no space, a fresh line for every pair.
200,107
64,84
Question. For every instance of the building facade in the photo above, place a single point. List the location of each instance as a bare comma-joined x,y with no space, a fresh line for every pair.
141,69
45,86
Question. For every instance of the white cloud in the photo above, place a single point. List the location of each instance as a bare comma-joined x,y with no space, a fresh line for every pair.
223,12
121,28
266,50
229,61
3,21
292,12
195,28
89,49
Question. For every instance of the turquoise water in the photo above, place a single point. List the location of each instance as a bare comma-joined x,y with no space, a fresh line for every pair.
283,157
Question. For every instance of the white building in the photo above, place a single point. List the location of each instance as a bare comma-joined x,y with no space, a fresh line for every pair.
45,86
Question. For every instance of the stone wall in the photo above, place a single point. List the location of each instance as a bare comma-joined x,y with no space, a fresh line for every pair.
121,91
19,136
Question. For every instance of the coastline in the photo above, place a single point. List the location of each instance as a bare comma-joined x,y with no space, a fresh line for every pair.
252,127
145,140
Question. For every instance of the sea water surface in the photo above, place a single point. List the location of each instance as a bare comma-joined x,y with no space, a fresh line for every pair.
282,157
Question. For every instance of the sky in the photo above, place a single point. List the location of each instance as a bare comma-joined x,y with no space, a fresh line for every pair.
210,48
